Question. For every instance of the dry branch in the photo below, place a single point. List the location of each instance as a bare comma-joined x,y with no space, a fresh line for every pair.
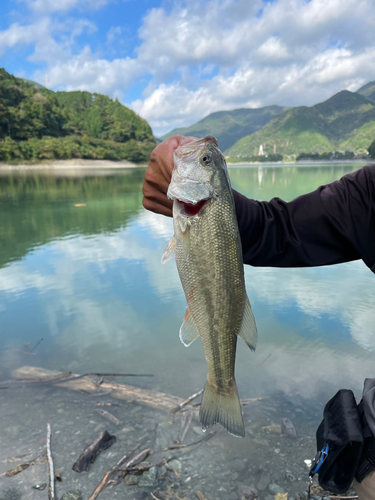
186,402
51,487
109,416
108,475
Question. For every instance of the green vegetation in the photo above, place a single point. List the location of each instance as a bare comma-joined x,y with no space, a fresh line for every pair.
345,122
371,149
368,90
36,123
229,126
337,155
252,159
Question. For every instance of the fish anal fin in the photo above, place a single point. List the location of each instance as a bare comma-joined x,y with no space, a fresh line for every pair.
248,331
169,250
188,330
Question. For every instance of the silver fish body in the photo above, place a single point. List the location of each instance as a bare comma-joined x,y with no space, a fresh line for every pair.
208,254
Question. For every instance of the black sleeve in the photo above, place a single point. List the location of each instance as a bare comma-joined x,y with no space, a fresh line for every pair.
335,223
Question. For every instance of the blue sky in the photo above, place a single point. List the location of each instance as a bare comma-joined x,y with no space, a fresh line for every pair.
176,62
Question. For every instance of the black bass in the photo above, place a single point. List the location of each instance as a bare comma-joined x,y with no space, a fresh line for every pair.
208,252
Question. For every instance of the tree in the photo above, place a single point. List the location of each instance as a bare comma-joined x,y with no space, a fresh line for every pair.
371,149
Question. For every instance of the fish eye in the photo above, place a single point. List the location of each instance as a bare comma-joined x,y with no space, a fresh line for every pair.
206,159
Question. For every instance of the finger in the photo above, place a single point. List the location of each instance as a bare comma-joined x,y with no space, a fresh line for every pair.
156,207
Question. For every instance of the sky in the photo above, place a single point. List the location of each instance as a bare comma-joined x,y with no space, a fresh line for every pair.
175,62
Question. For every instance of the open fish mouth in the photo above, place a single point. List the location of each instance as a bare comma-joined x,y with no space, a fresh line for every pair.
192,209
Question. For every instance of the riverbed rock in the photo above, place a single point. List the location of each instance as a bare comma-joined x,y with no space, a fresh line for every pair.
263,482
238,465
149,478
72,495
247,492
275,488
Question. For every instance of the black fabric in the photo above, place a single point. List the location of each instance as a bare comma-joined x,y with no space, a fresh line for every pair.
341,429
366,410
335,223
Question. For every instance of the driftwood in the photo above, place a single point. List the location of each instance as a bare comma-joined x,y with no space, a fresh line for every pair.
128,393
88,456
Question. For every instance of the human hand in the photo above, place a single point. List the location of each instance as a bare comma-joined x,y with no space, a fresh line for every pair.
158,175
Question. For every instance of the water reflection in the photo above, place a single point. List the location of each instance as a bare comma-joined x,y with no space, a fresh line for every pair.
89,281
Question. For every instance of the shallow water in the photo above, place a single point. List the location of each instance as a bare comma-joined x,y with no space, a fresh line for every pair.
88,280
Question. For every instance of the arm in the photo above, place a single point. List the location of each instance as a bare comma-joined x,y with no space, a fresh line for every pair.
335,223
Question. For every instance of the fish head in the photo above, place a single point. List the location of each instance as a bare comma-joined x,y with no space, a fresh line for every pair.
199,172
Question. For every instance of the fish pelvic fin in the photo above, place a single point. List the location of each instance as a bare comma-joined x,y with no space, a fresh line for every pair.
169,250
248,331
224,409
188,330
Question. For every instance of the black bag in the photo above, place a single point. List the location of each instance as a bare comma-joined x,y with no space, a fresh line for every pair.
340,436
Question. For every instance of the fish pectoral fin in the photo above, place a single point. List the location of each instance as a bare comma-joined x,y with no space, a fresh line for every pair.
188,330
248,331
169,250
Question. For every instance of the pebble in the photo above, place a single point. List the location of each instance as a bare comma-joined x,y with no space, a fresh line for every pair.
149,478
198,430
263,482
275,489
238,465
176,464
131,479
287,428
39,487
72,495
289,476
247,492
281,496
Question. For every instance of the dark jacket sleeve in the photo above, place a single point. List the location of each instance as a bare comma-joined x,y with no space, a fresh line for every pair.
335,223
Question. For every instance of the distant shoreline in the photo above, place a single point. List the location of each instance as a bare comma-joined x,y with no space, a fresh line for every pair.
75,164
307,162
82,164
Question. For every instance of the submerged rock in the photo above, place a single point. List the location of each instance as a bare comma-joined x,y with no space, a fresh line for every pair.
263,482
149,478
247,492
275,488
131,479
287,428
289,476
72,495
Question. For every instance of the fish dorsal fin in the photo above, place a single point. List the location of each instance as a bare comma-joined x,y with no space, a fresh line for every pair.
169,250
248,331
188,331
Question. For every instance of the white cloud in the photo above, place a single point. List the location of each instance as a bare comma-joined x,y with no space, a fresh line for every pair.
64,5
204,57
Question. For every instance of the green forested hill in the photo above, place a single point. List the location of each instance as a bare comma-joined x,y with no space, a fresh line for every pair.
36,123
368,90
229,126
346,121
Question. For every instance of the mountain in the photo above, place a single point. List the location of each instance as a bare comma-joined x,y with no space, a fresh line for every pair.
37,123
346,121
368,90
229,126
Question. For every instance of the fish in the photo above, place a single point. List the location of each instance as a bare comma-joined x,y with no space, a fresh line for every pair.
208,252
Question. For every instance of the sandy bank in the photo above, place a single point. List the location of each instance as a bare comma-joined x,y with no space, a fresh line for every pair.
71,165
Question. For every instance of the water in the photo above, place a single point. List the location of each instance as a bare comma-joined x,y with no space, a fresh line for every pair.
88,280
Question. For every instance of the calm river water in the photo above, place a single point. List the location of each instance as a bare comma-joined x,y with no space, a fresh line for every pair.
80,268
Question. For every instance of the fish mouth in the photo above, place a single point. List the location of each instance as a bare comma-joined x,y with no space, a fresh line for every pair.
192,209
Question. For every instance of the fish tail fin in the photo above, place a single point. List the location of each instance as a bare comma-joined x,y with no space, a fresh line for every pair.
224,409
